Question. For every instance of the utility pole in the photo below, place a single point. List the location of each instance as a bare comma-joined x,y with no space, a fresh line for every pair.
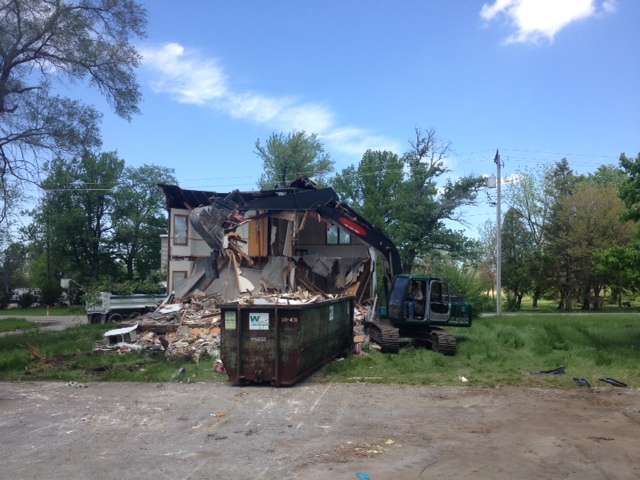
499,242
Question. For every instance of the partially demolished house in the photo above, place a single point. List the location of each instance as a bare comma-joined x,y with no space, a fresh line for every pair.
245,243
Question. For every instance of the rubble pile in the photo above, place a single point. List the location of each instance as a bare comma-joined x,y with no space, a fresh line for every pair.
189,327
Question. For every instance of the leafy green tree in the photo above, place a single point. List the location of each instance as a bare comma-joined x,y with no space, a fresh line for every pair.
14,267
621,263
72,223
44,43
402,196
488,261
606,176
287,158
560,184
423,206
618,265
139,218
99,222
372,187
591,219
629,190
463,281
530,195
51,293
517,251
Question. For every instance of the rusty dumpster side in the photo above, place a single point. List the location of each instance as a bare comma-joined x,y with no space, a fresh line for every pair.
281,344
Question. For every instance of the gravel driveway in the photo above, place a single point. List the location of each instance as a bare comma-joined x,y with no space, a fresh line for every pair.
316,430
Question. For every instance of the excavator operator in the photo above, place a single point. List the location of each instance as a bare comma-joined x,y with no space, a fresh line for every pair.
415,299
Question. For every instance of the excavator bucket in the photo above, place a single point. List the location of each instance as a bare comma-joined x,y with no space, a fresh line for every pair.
209,222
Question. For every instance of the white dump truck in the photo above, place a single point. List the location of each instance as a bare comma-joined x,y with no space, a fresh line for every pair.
115,308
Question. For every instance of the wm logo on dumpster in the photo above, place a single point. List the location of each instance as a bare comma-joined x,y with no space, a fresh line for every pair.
258,321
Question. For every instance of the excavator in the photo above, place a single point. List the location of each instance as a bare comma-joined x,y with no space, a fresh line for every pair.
436,308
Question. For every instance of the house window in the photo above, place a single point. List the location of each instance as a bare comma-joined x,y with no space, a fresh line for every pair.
177,278
180,230
337,236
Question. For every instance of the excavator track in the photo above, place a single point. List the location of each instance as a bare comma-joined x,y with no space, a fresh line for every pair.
384,335
443,342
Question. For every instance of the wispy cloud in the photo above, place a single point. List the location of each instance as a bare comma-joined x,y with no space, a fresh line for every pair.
536,20
191,78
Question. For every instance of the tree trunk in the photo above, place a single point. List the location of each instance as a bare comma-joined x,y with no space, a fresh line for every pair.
568,303
596,299
520,301
561,303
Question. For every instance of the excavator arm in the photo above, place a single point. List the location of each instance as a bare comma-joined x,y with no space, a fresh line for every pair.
209,220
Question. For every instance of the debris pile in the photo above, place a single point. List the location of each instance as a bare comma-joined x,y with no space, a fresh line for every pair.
187,328
190,326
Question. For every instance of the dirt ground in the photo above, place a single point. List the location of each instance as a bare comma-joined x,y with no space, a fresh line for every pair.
316,430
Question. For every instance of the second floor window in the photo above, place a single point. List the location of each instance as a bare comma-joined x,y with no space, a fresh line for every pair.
180,230
337,236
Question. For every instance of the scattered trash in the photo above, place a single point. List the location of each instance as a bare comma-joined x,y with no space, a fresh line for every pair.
181,371
557,371
463,379
581,382
218,367
362,476
613,382
390,442
76,385
122,335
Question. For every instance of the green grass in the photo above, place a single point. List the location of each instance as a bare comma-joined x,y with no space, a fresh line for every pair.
494,352
68,356
11,323
551,306
504,351
77,310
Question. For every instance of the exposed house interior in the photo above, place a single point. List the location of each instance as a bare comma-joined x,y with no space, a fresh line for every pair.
246,243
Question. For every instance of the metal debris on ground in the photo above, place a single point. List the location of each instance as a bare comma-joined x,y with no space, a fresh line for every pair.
581,382
613,382
558,371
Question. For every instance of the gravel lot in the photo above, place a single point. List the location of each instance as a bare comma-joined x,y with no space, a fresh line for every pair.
316,430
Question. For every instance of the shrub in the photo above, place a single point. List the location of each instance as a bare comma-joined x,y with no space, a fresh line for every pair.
26,300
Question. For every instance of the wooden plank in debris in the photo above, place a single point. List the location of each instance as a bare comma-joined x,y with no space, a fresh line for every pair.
239,251
164,328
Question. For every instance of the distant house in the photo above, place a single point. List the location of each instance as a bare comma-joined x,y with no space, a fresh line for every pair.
244,242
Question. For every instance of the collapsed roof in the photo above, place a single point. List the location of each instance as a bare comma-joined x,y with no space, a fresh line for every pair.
291,257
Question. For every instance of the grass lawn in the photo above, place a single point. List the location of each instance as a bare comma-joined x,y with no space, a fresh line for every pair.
504,351
68,356
77,310
8,324
494,352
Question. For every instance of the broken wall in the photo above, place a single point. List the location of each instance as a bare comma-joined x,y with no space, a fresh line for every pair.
271,252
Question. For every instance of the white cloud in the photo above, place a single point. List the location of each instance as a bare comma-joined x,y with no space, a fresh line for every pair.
185,77
188,77
539,19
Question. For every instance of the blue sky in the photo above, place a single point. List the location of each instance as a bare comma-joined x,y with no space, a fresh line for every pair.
538,79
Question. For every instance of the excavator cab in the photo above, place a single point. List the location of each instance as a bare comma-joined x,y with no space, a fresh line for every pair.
418,299
439,302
